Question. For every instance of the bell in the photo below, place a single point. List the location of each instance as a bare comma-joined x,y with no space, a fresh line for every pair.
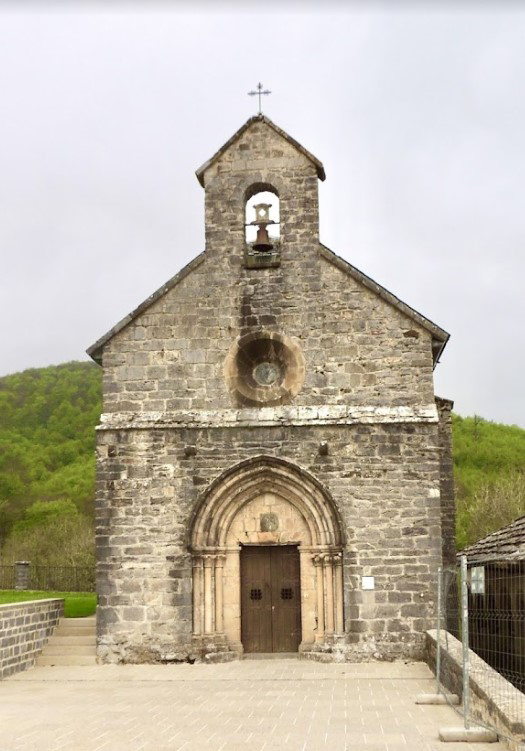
262,242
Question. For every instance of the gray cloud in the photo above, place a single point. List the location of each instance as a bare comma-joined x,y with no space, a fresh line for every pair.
416,112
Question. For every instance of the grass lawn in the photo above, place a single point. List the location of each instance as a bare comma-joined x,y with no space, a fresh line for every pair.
77,604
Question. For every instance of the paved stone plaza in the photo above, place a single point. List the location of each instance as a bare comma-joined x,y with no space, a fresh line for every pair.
248,705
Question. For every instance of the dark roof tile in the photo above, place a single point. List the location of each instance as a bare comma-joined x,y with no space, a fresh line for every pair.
505,544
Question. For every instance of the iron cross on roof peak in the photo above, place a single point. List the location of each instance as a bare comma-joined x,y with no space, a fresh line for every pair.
259,93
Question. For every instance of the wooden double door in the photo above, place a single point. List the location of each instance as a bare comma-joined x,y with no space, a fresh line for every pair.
270,598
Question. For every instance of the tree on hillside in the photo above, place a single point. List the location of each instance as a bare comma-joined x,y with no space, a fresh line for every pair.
489,462
47,438
51,534
493,505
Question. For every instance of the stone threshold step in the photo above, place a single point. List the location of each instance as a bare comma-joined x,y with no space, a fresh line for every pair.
63,627
42,660
74,649
70,640
271,656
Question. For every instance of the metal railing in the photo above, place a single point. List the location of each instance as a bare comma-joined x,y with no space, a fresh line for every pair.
482,605
23,575
7,577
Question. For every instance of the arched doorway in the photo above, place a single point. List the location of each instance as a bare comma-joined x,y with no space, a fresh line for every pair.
266,504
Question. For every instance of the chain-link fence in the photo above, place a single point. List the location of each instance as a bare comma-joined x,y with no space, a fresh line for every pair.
480,644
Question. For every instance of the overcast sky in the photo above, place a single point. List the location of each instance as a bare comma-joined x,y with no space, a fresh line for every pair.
417,111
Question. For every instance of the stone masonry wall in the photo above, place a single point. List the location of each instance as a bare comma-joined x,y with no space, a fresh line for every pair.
261,157
173,423
24,630
448,499
384,480
358,348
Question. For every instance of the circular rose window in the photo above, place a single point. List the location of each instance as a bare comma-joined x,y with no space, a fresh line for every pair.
264,368
267,373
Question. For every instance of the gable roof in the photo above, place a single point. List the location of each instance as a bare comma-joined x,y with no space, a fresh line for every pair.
95,351
439,336
505,544
261,119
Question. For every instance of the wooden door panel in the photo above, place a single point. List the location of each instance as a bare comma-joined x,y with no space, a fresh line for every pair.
286,598
256,600
270,599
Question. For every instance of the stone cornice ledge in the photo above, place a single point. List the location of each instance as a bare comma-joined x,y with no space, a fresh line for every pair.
269,416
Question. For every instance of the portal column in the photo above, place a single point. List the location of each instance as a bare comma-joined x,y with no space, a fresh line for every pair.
338,570
208,594
318,563
219,611
329,587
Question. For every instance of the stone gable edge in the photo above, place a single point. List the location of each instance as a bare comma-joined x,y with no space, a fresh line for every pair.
261,119
95,351
440,337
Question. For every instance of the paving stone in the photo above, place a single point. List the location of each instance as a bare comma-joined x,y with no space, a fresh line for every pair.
265,705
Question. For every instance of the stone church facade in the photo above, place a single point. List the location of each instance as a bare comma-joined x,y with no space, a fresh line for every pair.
274,472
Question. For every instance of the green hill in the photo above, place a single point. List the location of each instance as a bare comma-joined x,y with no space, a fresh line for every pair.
47,441
489,467
47,438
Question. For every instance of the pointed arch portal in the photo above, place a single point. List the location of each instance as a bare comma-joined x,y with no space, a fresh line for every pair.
266,502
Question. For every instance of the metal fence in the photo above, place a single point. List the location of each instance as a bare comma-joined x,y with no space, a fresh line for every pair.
482,605
497,618
23,575
7,577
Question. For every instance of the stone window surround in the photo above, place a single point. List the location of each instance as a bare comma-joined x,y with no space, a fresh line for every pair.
287,356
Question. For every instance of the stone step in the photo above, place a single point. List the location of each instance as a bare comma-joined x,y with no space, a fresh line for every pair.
76,626
43,660
74,649
72,643
66,640
73,623
66,631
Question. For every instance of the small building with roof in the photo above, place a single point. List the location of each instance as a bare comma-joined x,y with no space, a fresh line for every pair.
497,600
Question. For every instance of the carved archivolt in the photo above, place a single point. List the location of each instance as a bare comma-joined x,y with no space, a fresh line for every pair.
266,484
251,478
